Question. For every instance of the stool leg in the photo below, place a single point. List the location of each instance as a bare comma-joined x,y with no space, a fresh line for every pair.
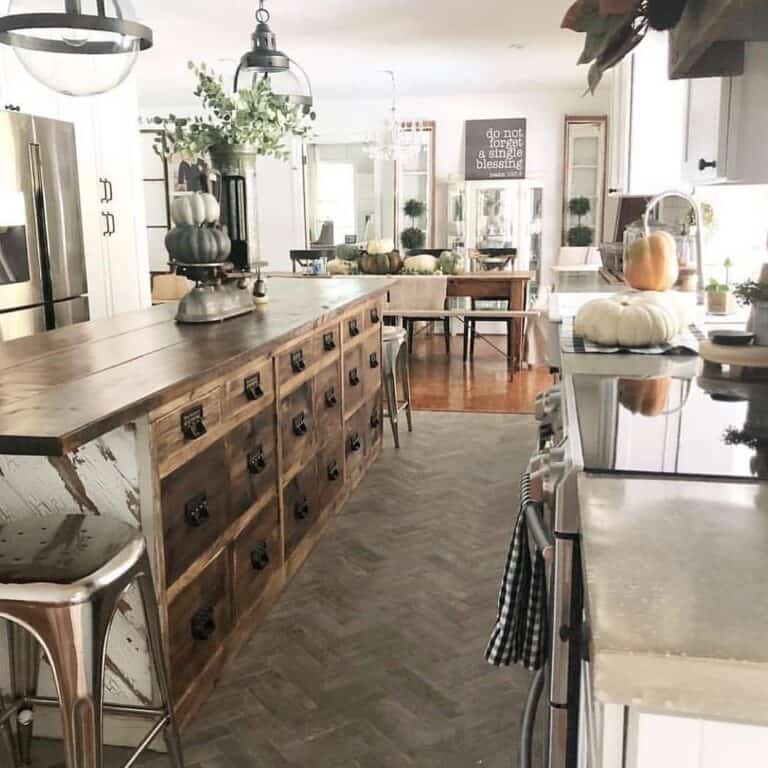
472,333
7,742
447,334
390,391
405,375
24,654
147,590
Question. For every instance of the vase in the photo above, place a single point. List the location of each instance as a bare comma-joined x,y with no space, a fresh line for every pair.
760,323
720,302
236,164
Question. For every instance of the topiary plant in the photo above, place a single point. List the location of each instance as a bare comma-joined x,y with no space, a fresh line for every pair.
414,209
412,238
579,236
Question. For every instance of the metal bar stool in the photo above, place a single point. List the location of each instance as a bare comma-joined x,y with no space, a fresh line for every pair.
61,579
396,363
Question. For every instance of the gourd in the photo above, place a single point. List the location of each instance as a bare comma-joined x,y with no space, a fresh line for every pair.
347,252
195,209
375,247
198,245
651,263
342,267
648,397
451,263
388,263
630,320
423,264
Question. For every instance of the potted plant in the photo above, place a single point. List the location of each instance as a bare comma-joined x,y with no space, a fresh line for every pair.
720,299
751,293
413,237
579,236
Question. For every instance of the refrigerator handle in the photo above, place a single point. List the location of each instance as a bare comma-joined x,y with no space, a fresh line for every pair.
113,225
104,197
109,191
108,231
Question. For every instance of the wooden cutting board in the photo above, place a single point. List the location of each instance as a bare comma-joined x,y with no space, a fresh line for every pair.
744,357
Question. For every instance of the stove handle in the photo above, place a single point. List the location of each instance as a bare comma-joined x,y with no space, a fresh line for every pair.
529,719
542,536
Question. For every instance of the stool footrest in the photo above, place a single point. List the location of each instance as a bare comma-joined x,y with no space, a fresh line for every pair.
109,709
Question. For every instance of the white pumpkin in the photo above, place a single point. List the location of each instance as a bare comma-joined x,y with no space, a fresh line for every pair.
421,264
342,267
631,319
375,247
195,209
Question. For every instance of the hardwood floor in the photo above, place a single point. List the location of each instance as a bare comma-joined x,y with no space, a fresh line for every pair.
374,656
439,383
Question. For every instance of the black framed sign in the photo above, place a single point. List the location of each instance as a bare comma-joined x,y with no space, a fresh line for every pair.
495,149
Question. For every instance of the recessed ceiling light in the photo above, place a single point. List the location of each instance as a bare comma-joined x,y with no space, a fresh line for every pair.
517,46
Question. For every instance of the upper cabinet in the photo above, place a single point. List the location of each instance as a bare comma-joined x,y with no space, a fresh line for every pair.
705,158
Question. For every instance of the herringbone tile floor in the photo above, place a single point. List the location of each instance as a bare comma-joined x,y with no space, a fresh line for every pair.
374,655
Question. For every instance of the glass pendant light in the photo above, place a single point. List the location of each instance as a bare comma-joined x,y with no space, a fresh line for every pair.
265,60
75,47
393,139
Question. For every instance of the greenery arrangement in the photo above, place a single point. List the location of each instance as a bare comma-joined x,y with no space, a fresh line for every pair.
715,286
750,292
253,117
579,236
413,237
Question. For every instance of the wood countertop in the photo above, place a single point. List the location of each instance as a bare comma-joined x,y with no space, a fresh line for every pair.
61,389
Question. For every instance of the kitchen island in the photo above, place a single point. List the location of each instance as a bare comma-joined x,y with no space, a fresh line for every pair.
229,445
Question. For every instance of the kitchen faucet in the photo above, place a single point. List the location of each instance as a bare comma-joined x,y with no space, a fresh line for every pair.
653,202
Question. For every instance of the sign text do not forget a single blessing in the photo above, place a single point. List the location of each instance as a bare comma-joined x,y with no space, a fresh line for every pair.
495,149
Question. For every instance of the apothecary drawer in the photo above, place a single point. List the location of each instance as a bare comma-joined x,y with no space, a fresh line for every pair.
372,315
327,401
257,555
296,360
330,471
195,508
375,424
328,342
249,389
198,623
355,432
298,431
372,364
252,456
353,326
185,426
354,373
301,506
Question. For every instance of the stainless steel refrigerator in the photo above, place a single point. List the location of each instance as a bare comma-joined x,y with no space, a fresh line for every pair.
42,257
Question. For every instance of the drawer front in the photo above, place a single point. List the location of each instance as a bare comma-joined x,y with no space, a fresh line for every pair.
257,556
372,316
297,359
250,388
252,458
372,364
301,506
198,623
327,394
375,425
354,376
195,508
298,431
355,432
187,425
353,326
328,343
330,472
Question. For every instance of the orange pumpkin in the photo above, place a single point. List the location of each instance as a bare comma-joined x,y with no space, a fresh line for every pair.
648,397
651,263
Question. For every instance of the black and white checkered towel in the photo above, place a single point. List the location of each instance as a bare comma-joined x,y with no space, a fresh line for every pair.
685,344
520,633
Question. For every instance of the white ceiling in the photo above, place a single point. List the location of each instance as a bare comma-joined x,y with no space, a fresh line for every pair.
435,46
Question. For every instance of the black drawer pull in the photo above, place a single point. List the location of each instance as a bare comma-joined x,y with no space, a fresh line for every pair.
375,315
252,387
374,360
196,511
355,443
298,364
354,377
354,329
299,425
204,624
329,344
330,397
334,471
301,510
260,556
703,164
375,419
257,461
193,423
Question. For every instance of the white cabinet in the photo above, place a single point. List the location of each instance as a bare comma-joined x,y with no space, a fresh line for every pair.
111,194
705,158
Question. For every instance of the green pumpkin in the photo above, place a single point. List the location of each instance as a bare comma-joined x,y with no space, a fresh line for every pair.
347,252
198,245
451,263
381,263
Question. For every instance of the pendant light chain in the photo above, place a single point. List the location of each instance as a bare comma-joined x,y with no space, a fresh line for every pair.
263,15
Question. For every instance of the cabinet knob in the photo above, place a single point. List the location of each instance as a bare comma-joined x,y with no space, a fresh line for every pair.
374,360
375,315
301,510
354,329
329,343
204,624
375,419
355,443
298,364
260,556
704,164
299,425
257,462
252,387
193,423
334,471
330,398
354,377
196,511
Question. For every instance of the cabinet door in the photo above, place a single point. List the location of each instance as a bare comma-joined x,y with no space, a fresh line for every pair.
706,143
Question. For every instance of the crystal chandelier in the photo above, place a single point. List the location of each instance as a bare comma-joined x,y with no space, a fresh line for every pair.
393,139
